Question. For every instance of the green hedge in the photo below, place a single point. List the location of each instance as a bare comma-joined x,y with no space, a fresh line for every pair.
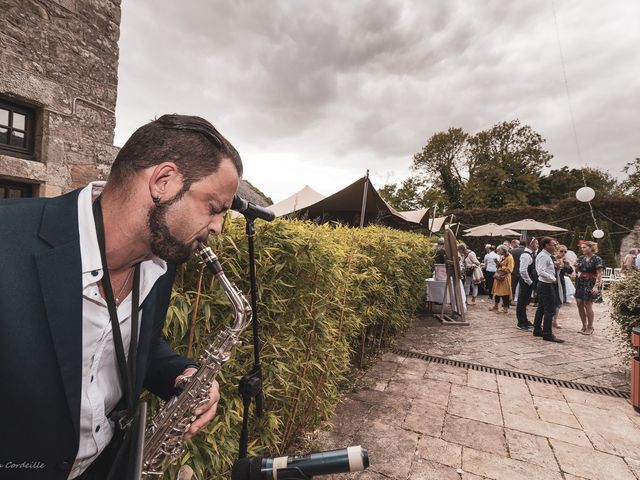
625,308
330,296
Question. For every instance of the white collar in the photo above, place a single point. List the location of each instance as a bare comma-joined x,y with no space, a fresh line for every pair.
89,249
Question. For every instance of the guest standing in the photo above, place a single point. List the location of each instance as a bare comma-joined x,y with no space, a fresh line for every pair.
502,281
482,287
516,251
629,262
545,268
590,267
528,280
469,263
490,263
441,255
563,268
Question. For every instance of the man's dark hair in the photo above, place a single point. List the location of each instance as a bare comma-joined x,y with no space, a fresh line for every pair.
545,241
192,143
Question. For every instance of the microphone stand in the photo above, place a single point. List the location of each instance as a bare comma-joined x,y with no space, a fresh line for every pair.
251,384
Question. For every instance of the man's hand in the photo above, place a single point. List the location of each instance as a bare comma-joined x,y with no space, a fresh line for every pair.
204,412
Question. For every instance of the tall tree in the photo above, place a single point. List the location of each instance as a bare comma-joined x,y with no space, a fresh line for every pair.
441,163
411,194
504,165
631,185
405,196
588,234
605,247
576,236
497,167
564,182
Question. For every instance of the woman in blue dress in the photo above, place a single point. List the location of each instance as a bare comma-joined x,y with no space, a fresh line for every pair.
590,267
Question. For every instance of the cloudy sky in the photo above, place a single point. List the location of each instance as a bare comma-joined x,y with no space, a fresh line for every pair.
317,92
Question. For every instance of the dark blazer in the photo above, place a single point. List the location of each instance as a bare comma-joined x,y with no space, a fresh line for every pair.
41,337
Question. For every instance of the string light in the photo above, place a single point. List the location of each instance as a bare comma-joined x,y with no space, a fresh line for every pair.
585,192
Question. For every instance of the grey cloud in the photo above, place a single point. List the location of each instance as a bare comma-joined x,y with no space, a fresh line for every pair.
364,84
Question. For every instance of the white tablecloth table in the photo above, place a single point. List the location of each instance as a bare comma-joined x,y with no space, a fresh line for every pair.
435,292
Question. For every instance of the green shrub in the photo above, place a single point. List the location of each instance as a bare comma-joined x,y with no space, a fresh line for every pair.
329,297
625,308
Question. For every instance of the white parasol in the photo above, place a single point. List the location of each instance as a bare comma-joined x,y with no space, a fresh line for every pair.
490,230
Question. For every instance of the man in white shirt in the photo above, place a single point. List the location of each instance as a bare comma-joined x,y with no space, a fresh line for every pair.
547,279
168,189
526,283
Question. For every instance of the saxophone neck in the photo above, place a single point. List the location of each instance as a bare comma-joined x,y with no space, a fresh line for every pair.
242,308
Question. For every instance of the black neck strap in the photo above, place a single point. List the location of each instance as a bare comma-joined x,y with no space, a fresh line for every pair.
127,371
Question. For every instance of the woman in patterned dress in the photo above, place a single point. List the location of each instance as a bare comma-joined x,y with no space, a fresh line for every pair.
589,267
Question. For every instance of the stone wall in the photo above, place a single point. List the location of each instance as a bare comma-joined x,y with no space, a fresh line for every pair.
632,240
61,57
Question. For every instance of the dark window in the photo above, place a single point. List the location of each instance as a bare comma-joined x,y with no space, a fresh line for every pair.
15,190
16,129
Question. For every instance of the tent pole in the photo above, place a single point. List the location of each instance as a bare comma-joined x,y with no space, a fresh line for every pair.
451,222
364,199
433,221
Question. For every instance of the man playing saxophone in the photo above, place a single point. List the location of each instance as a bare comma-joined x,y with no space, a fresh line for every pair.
85,283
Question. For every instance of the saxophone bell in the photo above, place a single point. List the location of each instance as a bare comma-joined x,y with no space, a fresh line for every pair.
163,439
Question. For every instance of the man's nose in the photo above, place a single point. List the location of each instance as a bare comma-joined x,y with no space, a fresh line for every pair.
215,227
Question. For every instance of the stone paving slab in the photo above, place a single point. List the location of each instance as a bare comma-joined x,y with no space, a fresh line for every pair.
586,463
475,434
422,420
531,449
495,466
493,340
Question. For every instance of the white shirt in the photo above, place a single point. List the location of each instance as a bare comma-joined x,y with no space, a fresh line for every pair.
638,262
545,268
490,260
100,382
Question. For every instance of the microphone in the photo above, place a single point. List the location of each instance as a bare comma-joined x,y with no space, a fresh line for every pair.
251,210
351,459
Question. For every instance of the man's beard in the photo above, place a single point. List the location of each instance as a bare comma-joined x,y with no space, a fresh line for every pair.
163,243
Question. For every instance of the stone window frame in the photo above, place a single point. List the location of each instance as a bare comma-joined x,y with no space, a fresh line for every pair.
25,189
28,151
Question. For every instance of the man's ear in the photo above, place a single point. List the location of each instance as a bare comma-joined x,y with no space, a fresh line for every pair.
165,181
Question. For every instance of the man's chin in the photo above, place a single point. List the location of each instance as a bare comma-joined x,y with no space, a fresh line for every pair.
175,256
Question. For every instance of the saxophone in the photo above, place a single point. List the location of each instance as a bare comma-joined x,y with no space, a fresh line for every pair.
163,443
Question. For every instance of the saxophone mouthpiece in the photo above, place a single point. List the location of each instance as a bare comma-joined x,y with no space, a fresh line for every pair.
209,258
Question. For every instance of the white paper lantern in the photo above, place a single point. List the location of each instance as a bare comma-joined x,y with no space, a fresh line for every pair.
598,233
585,194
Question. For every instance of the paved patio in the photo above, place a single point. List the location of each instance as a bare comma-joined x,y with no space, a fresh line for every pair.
493,340
422,420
